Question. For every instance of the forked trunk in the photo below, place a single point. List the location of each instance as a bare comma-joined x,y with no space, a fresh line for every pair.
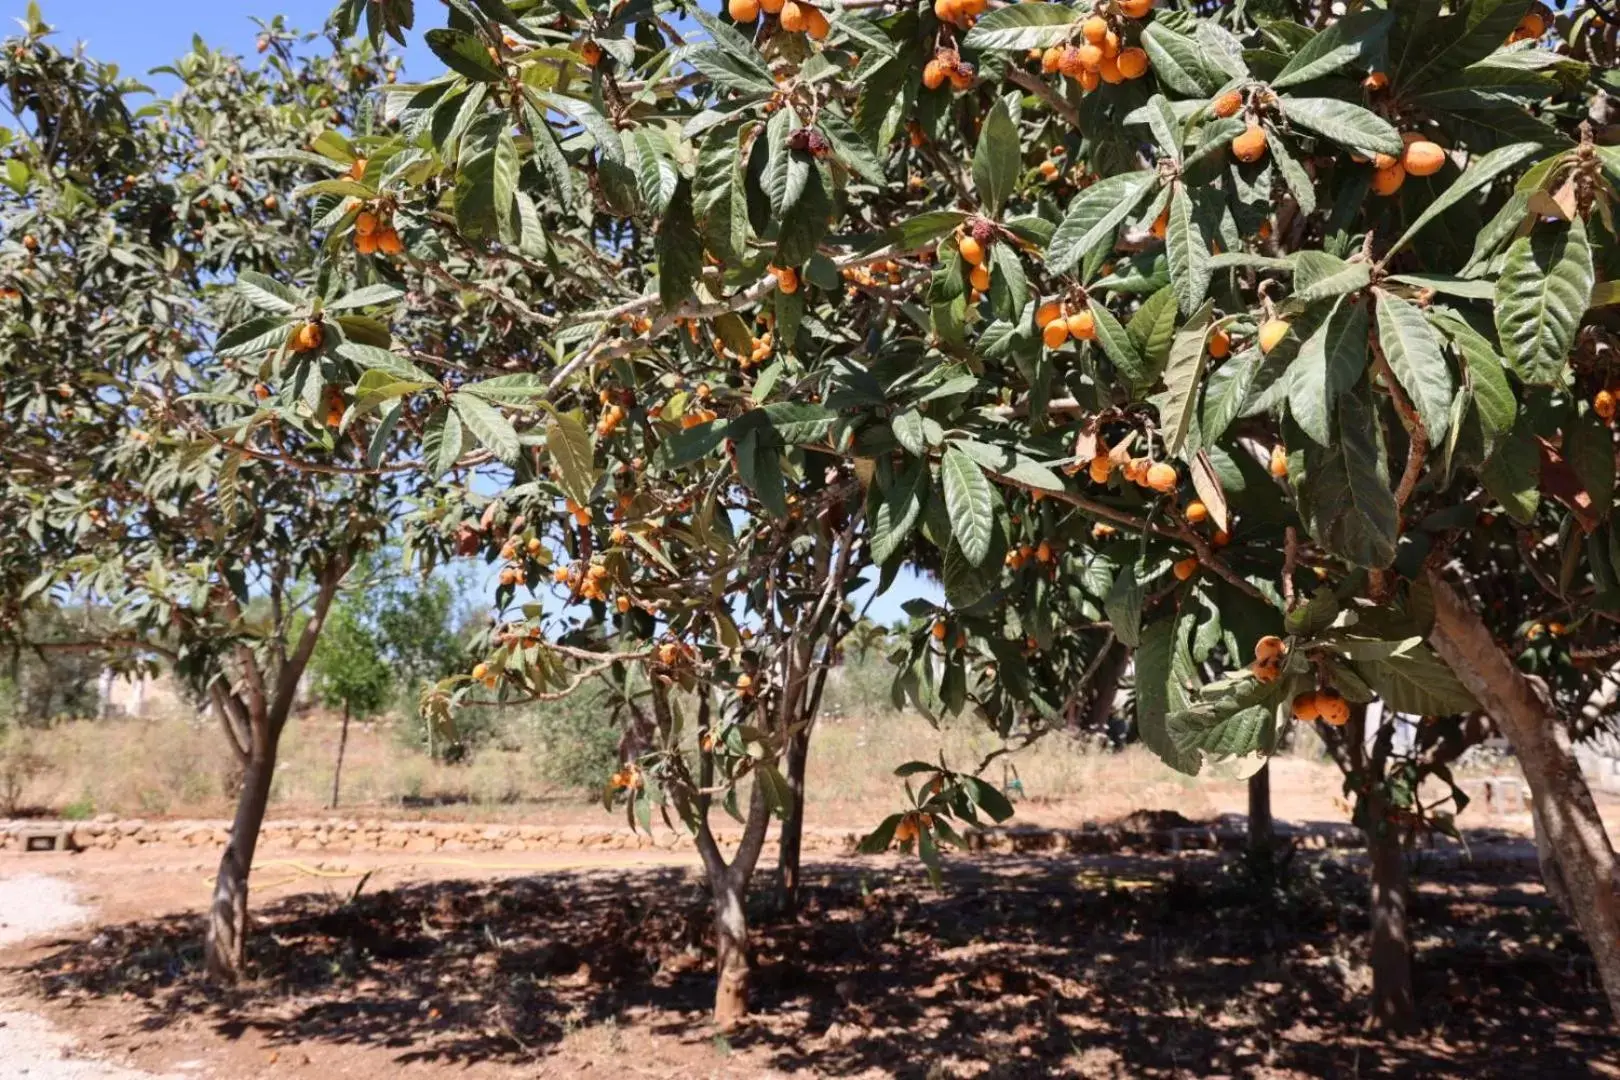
1394,1007
343,742
731,955
792,837
225,948
1566,813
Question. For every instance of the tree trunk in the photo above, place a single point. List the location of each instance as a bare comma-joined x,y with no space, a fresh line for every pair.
1394,1006
792,836
225,949
343,742
1262,830
1562,801
731,954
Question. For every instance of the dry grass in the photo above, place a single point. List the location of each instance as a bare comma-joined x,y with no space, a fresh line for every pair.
176,766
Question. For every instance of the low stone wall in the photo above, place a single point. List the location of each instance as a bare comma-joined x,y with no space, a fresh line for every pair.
433,837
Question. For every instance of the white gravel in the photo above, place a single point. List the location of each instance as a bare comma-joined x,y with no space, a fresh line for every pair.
30,1048
33,904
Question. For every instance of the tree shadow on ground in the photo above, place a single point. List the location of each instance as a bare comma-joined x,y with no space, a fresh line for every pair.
1126,966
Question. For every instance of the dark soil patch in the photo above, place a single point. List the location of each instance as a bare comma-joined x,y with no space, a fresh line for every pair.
1154,967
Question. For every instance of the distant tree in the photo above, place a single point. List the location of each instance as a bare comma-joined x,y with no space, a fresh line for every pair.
350,673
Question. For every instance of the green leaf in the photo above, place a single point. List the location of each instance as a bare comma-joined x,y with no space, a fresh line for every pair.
1123,605
1177,61
1004,461
1414,355
910,431
464,54
923,229
487,425
374,359
1153,328
1479,173
1540,298
1345,494
381,293
680,250
1161,119
1183,377
1344,123
1329,363
1186,251
1093,216
893,513
573,455
970,502
850,147
1589,449
1352,38
1116,342
1512,474
263,334
1293,174
1156,687
1022,27
727,72
267,294
996,160
486,179
1415,680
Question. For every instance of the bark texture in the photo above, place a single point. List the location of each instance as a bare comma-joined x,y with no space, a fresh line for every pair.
1566,815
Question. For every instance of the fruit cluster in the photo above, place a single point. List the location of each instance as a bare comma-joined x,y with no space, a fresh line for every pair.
1326,705
962,13
1099,56
589,582
1042,553
794,16
868,275
612,416
1269,654
947,64
973,244
374,231
1420,158
1058,324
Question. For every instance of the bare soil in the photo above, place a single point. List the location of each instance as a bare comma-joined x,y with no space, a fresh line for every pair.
1163,966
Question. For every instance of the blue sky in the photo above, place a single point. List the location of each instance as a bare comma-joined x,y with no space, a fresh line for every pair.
139,35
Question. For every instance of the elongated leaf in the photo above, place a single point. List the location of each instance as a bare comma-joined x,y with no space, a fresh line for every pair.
463,54
573,455
1416,680
1344,123
487,425
1329,363
680,249
380,293
1093,216
996,160
374,359
1187,252
1540,298
1413,352
267,294
1183,378
1156,688
1117,344
1345,495
1177,61
1022,26
1351,38
486,178
893,513
970,502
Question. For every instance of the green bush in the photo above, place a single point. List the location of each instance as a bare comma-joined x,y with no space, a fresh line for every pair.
576,741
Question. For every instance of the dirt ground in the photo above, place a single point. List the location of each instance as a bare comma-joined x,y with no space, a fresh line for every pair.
595,963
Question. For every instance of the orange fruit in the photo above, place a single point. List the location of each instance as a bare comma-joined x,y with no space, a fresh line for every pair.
1251,145
743,11
1279,462
1422,158
1051,59
365,223
1266,671
1333,709
816,24
1185,569
1269,647
389,243
479,671
1219,343
1089,80
1101,467
1109,71
980,278
792,17
1133,63
1306,707
1091,56
1135,9
1082,326
1047,312
1197,512
1055,333
1388,181
1095,29
1376,80
1603,404
972,251
1272,331
1161,477
934,74
365,243
1228,104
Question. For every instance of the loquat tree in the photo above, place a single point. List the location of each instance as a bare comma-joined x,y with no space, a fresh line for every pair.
1224,325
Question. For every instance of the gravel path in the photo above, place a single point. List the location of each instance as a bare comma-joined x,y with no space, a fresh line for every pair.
30,1048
